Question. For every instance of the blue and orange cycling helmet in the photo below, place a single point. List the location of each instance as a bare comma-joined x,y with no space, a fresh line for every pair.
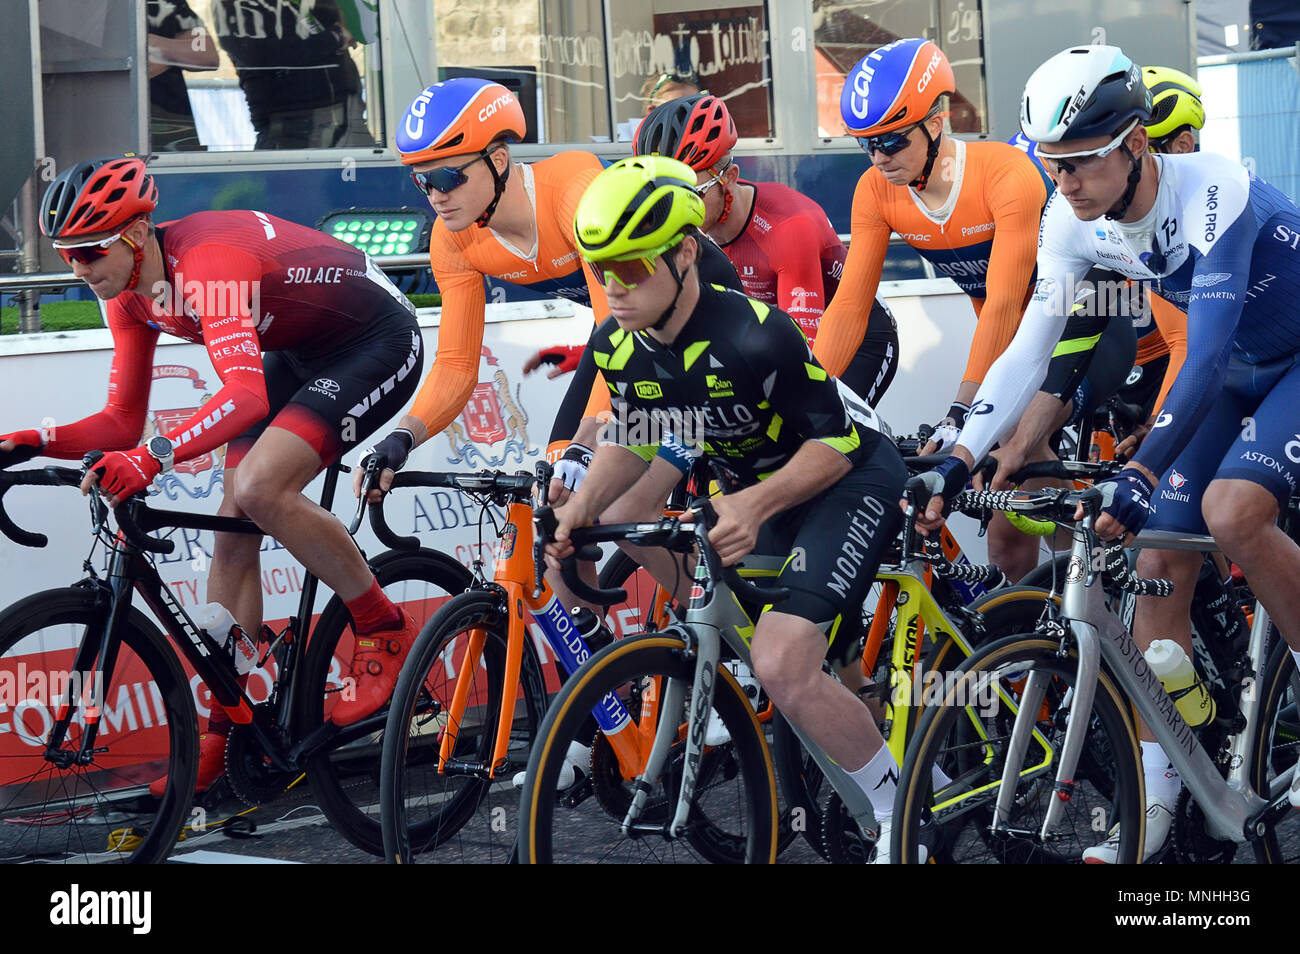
894,88
460,117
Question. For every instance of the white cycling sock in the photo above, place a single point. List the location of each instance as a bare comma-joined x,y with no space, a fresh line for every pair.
879,779
1162,780
938,777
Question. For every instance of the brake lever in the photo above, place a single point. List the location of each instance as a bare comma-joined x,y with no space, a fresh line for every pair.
367,484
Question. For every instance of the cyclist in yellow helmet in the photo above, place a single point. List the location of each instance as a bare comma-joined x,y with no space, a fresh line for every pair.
1176,109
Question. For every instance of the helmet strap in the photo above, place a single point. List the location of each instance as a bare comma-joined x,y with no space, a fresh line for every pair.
672,270
728,197
499,179
931,153
137,255
1134,176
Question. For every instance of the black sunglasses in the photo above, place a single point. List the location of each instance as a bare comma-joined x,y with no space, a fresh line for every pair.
890,143
445,179
1156,261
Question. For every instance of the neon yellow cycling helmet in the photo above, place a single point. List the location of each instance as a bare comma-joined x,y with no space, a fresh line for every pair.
637,208
1175,101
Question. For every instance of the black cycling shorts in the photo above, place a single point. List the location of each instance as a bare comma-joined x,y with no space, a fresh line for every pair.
872,368
833,545
1088,372
1145,387
335,400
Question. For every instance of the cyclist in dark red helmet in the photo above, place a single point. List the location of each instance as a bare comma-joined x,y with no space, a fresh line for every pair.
295,308
780,241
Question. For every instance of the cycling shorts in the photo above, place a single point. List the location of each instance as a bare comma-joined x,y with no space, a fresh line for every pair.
1250,433
833,545
336,400
872,368
1143,385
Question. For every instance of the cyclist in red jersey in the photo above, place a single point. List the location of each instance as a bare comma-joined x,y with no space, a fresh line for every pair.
342,355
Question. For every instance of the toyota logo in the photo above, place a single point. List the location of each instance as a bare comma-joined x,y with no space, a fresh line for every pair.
325,384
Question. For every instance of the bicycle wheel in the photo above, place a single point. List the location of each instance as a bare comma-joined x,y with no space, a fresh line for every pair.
636,614
735,781
101,811
343,768
461,807
1277,745
1003,612
966,735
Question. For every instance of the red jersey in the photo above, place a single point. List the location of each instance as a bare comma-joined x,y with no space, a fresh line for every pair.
788,254
241,283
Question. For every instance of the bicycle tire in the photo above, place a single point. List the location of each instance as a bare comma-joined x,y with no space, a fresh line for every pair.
956,736
619,571
744,768
422,809
1004,611
344,772
1276,748
102,811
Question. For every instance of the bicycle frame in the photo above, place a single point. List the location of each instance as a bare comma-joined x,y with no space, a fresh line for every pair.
129,571
1230,806
715,614
514,575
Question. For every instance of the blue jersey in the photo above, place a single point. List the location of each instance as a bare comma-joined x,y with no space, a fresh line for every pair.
1217,242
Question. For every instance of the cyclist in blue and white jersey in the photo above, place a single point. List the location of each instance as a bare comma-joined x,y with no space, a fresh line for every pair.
1203,233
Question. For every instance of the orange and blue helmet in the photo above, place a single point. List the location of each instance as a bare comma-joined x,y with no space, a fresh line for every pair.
895,86
456,117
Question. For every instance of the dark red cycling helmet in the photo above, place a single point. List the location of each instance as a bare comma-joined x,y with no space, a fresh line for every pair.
696,130
97,195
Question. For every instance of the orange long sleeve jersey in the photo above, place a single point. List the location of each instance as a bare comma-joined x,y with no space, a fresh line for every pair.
461,260
984,238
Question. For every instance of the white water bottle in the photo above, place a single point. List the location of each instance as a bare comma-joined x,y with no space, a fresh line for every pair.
217,621
1169,662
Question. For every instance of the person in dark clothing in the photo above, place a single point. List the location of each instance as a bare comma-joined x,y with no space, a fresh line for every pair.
303,89
178,41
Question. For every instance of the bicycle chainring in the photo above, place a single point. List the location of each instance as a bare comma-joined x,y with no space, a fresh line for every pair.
253,778
1192,844
842,840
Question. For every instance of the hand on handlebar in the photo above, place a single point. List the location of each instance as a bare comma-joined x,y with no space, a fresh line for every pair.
569,517
387,457
120,474
735,534
19,447
1126,448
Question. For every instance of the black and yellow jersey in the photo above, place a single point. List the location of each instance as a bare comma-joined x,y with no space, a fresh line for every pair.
738,385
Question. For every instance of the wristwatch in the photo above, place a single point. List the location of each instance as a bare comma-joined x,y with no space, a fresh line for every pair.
163,451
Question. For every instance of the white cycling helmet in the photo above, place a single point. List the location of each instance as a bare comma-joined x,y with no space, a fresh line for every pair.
1083,92
1088,92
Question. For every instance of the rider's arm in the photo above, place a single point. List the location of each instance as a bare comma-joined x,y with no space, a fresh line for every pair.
451,380
121,423
1015,195
1172,323
845,320
1016,375
230,336
799,287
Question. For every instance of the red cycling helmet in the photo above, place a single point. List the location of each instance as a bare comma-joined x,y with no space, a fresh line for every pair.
98,195
696,130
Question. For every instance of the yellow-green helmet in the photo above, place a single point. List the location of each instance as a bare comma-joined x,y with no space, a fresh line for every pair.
1175,101
637,208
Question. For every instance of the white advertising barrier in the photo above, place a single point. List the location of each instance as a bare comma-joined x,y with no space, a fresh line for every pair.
48,379
52,378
